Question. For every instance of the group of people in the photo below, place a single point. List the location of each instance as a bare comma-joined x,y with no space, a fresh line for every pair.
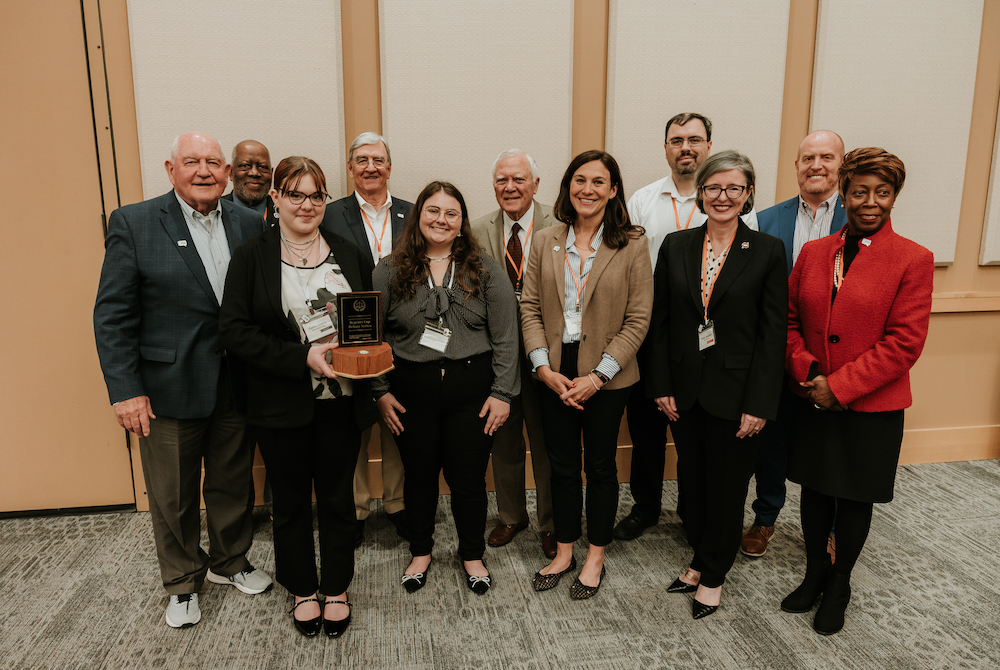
751,345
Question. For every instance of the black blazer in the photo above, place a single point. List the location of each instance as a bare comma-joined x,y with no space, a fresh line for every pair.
749,306
253,327
269,218
343,217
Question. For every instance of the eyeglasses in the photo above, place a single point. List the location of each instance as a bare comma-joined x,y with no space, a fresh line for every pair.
678,142
317,198
377,161
713,192
450,215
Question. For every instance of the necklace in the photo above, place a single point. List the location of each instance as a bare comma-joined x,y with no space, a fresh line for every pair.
438,260
305,252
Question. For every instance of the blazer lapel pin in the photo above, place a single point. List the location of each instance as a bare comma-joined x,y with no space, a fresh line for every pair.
867,242
399,214
745,245
182,243
555,248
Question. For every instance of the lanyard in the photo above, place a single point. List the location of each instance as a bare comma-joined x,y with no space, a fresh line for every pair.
378,237
579,286
677,217
709,288
527,236
430,278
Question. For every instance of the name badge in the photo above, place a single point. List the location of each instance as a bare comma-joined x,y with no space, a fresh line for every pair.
574,322
435,337
706,335
319,326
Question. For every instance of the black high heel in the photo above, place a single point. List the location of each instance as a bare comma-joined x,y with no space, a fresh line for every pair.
682,587
311,627
700,610
804,597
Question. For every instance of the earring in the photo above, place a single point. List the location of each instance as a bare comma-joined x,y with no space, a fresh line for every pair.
460,234
276,211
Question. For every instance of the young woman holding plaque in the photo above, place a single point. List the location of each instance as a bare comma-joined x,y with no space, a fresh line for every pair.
449,313
307,421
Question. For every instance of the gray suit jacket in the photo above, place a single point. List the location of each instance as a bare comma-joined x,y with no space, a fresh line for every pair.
343,217
489,231
156,320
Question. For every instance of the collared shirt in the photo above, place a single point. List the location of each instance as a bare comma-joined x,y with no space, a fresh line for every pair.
209,236
379,239
526,221
539,357
652,207
809,227
260,207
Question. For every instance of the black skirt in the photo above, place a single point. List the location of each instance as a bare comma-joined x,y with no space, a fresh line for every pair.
850,455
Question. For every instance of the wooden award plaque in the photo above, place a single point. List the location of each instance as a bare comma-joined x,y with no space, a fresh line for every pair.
361,353
362,362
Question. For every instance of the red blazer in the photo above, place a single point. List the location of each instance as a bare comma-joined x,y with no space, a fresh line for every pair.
867,341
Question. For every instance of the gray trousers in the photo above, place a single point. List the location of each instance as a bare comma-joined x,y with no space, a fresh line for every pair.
509,457
172,457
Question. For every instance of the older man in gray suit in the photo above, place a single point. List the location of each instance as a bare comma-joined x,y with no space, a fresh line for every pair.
506,235
156,323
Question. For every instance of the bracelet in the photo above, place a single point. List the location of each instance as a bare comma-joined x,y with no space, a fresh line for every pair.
593,382
600,375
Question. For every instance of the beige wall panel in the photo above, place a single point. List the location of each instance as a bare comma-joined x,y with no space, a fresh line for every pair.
269,71
463,82
662,60
989,252
906,86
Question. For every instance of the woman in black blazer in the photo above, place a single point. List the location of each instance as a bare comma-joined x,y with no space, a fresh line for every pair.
276,316
719,317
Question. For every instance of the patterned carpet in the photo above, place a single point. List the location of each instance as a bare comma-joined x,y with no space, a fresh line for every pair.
83,592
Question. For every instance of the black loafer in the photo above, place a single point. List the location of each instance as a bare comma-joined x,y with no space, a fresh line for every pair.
336,628
631,527
309,628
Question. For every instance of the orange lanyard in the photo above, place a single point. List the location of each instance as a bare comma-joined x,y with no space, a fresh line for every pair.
677,217
709,288
579,286
527,236
378,238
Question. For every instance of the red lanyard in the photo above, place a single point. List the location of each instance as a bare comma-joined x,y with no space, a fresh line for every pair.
708,289
527,236
677,217
378,238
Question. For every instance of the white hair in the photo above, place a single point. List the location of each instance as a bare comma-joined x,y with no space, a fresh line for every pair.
175,147
368,138
512,153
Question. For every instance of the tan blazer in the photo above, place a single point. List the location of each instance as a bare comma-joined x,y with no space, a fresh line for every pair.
616,304
489,231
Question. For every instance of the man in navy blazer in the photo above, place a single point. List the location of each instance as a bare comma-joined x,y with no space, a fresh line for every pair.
816,212
251,178
156,323
373,220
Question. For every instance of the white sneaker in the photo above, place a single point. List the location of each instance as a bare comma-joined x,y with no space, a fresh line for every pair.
250,581
183,611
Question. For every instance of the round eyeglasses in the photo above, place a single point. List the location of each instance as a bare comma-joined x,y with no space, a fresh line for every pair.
713,192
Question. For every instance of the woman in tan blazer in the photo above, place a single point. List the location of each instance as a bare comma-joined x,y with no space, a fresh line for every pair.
585,309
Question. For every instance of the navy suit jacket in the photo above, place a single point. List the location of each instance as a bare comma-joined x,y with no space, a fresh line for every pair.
269,217
156,319
343,217
779,221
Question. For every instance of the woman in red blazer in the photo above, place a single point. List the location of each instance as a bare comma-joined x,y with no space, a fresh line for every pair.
858,308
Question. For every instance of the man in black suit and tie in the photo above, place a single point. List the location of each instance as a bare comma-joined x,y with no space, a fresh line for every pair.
371,219
251,178
156,323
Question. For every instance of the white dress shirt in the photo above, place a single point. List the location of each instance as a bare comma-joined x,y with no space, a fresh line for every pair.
209,236
378,227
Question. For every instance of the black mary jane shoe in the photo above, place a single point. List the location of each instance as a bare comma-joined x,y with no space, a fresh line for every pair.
580,591
311,627
413,583
542,582
336,628
700,610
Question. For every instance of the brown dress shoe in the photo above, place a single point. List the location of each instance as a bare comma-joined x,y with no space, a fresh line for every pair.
755,541
549,544
504,533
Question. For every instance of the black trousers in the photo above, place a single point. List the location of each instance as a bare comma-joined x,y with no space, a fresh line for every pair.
442,431
598,423
323,454
713,473
647,426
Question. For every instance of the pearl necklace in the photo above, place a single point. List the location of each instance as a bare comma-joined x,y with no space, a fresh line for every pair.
438,260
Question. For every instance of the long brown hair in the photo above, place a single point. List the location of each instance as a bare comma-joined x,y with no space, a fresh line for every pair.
617,226
410,254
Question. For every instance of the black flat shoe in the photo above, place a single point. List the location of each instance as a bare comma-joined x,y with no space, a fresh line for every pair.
415,582
336,628
580,591
542,582
478,585
700,610
308,628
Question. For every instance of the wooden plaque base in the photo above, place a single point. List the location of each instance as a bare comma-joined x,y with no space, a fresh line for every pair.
362,362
